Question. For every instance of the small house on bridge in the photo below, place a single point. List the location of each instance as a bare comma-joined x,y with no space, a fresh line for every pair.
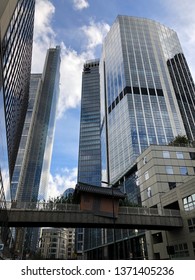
102,201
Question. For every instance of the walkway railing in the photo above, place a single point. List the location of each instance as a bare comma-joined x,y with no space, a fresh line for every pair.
51,206
41,206
149,211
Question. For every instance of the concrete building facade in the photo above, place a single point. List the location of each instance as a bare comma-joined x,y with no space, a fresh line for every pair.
57,243
166,180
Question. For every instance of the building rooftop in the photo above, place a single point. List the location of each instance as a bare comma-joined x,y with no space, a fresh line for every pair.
105,191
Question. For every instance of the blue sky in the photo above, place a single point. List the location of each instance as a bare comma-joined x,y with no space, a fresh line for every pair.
80,26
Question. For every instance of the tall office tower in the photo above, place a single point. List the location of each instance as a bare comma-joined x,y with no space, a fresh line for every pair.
16,24
34,156
35,80
185,91
148,90
147,97
16,36
89,163
41,128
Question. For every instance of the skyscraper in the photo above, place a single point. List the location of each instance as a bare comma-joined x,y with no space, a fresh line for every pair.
16,37
29,180
147,97
34,84
89,161
147,100
89,164
38,130
17,22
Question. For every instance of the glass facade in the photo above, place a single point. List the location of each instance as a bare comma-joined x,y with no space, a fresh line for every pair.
34,83
40,118
29,180
140,103
185,91
89,164
16,46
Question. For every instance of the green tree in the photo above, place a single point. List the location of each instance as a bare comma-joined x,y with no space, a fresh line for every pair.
180,140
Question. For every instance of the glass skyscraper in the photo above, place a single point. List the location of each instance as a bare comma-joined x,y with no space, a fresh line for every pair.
16,37
147,101
17,22
34,84
89,161
147,96
89,164
38,131
31,172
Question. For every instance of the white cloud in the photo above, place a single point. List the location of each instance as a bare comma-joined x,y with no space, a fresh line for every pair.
44,35
80,4
180,16
58,183
95,33
70,79
72,65
71,61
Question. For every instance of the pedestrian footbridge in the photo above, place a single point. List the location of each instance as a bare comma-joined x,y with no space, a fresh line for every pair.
69,215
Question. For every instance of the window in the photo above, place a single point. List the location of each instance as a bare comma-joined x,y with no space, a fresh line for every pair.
192,155
169,169
191,224
181,250
193,244
172,185
166,154
149,192
189,202
183,170
137,182
146,175
157,237
144,160
179,155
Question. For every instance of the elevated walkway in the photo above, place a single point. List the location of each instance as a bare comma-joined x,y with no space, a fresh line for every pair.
70,215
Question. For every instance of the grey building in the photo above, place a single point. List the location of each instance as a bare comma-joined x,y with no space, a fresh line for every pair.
53,244
165,178
57,243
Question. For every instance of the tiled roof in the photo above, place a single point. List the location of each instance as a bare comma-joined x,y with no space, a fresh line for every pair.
106,191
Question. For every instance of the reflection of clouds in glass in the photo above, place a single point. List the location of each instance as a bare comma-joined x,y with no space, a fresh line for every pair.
104,176
4,168
6,184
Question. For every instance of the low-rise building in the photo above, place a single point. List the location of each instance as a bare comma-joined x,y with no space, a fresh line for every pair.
166,179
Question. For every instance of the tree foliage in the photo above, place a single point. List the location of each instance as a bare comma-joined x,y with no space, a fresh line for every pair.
180,140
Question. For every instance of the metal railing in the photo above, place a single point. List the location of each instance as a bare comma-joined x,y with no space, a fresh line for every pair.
42,206
51,206
149,211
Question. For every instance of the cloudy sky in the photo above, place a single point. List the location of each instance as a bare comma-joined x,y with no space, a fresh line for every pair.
79,27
